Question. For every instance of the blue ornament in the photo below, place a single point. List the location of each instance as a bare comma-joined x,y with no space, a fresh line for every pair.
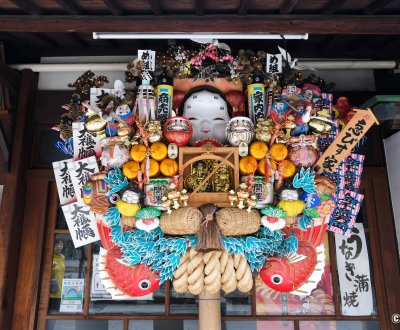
311,200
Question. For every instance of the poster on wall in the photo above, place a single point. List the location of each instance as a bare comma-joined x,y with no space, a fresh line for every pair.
354,273
72,295
66,191
81,224
97,290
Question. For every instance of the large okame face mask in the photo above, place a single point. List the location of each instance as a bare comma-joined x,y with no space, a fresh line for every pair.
208,113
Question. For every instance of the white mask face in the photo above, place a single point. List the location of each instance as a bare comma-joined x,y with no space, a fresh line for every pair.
208,113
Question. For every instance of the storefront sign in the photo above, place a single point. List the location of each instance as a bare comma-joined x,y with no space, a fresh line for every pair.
85,144
342,146
354,273
72,295
66,191
81,224
80,172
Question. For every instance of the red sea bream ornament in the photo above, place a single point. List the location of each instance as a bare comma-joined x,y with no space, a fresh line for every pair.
178,130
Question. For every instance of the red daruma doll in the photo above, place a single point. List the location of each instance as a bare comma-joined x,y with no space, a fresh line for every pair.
178,130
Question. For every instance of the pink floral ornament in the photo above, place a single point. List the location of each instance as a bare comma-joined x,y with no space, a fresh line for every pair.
326,208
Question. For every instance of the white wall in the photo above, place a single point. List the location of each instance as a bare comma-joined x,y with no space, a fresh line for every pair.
392,151
60,80
345,80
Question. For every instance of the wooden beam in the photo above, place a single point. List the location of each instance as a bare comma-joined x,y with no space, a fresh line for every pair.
12,39
313,24
156,7
43,37
28,7
357,44
243,7
113,7
70,7
200,7
332,6
78,39
9,78
376,6
288,6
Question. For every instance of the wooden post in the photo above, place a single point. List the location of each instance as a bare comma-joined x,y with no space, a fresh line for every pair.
209,311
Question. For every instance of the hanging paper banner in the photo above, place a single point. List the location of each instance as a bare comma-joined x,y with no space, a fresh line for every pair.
274,63
344,215
72,295
354,273
149,59
81,224
351,134
96,94
80,172
85,144
65,187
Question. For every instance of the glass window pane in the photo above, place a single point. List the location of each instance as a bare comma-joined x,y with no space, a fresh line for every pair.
163,325
48,153
257,325
320,302
61,223
85,325
102,303
236,303
182,303
68,263
339,325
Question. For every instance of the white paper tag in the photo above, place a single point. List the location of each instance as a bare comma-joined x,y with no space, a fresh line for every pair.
274,63
149,59
243,149
80,172
354,272
85,144
172,151
81,224
65,187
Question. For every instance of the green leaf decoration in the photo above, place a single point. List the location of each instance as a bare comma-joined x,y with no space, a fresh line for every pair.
305,180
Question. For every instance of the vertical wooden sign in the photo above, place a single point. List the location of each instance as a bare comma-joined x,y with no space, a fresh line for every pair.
342,146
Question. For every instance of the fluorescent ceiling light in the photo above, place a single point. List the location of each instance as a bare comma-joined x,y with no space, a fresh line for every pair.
179,35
